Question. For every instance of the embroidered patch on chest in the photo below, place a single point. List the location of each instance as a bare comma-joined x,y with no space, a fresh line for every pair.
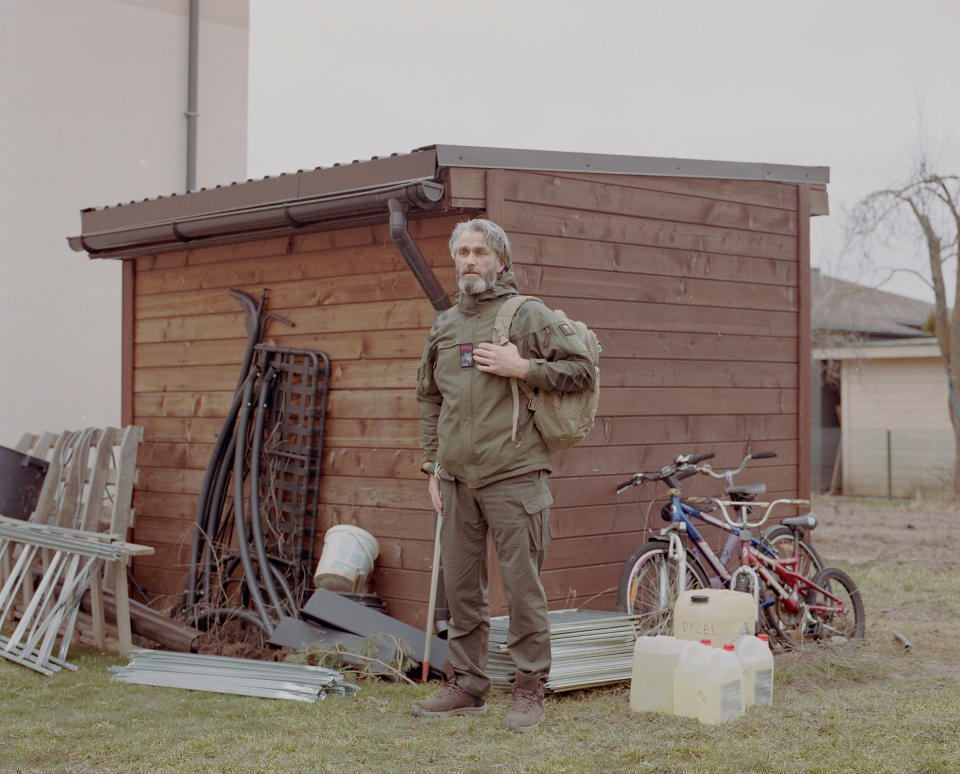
567,329
466,355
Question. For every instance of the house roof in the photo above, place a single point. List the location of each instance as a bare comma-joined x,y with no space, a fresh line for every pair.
287,202
842,307
887,349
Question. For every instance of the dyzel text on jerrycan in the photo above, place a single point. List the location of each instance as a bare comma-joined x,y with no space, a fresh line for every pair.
715,613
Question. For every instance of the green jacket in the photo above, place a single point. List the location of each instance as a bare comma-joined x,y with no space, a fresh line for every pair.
465,414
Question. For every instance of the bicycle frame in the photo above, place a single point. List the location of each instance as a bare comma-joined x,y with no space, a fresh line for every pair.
681,513
756,558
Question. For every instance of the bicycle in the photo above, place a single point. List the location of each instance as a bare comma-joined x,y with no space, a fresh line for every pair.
786,540
795,607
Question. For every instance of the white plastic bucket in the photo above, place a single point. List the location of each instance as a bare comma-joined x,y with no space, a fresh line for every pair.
347,558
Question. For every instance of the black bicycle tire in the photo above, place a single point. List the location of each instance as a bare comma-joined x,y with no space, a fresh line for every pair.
836,575
662,617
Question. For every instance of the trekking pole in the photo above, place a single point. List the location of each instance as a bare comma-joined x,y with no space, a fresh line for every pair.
433,469
432,607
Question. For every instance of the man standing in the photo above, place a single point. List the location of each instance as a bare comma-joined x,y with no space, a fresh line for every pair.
499,485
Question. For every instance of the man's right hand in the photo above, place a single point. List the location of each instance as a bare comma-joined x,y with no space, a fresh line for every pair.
433,487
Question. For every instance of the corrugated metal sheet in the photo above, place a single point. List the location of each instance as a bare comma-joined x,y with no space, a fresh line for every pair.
129,229
222,674
563,161
588,648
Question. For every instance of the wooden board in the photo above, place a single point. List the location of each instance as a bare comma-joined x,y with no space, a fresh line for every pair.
607,197
606,227
660,260
615,286
759,192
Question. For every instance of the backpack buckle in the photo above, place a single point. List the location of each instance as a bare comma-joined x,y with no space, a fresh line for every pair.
534,402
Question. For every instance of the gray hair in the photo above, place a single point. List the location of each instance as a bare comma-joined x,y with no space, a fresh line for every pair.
494,237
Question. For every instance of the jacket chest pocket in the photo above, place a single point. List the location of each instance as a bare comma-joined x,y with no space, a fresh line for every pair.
448,373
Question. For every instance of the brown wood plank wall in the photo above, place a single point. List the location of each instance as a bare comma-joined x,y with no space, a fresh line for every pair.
351,295
691,285
692,288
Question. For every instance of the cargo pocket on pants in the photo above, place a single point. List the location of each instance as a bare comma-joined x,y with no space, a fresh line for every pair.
537,506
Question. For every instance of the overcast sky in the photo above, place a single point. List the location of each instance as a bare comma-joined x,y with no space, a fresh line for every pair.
839,84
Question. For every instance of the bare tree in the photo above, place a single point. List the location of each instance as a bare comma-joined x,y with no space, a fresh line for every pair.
928,205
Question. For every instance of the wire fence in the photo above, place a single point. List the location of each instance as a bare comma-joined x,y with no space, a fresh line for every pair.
898,463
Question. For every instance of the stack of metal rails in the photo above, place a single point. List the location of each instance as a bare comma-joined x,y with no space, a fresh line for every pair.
588,647
240,676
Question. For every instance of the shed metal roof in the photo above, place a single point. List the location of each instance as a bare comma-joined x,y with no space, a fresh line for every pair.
564,161
265,206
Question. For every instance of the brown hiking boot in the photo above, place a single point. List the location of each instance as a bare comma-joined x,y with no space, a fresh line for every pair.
527,710
453,700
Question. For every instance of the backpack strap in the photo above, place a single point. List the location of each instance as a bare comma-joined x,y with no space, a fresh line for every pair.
501,324
501,335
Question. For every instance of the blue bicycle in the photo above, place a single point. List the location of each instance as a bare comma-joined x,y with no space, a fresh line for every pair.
797,598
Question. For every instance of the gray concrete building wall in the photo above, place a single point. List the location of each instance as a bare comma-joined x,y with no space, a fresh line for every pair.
93,104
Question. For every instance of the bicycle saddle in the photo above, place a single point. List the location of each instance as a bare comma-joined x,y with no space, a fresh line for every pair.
745,492
805,521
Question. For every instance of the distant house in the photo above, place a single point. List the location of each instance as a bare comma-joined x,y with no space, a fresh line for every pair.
879,397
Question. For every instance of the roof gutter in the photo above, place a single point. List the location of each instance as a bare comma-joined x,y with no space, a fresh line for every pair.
282,217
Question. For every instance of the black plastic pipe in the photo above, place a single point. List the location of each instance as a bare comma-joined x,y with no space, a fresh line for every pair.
243,424
256,526
202,521
411,253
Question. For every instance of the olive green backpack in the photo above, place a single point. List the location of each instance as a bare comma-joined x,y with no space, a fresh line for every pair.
563,418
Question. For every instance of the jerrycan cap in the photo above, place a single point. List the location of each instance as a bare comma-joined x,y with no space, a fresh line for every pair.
705,641
729,646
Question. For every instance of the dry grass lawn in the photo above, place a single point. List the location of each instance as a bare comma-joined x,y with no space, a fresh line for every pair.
878,708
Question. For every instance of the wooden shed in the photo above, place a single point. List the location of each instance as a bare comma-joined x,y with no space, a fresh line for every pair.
694,274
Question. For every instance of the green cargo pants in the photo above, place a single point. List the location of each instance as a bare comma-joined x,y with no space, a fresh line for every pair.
516,512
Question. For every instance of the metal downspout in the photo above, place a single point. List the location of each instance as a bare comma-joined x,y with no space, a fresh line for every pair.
192,68
414,258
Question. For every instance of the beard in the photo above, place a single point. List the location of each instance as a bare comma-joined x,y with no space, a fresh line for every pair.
474,285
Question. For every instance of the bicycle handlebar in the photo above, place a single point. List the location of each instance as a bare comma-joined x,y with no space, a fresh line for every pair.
683,466
739,469
686,465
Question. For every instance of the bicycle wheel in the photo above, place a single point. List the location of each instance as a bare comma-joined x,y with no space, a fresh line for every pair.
837,621
648,587
780,539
